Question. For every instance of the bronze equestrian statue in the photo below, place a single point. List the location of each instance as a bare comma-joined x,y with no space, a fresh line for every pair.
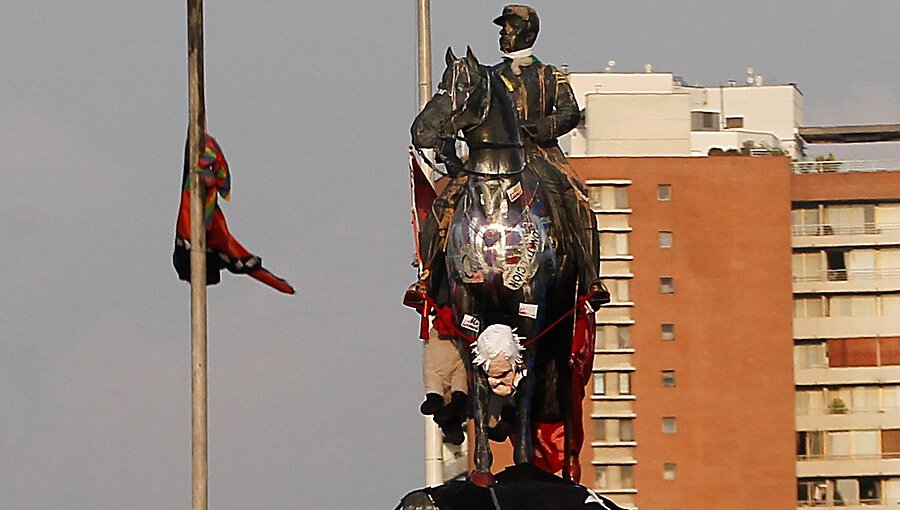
510,243
546,108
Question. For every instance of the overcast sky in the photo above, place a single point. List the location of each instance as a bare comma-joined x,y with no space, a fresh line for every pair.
313,398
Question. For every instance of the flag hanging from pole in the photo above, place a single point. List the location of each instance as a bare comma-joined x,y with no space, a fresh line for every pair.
223,250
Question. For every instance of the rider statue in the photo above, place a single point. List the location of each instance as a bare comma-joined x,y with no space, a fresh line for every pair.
546,109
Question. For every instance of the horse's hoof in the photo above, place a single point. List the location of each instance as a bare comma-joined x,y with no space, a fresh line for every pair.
482,478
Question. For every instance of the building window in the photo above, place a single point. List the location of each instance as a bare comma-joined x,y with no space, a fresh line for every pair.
668,378
704,121
807,267
624,383
627,475
621,290
667,331
613,244
664,192
869,491
621,197
624,337
600,384
606,198
812,492
626,430
669,425
806,222
601,477
810,356
666,285
600,430
850,219
808,308
665,239
809,444
734,122
669,471
614,337
852,306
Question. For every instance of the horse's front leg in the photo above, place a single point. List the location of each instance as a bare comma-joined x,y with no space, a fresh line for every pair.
481,391
524,451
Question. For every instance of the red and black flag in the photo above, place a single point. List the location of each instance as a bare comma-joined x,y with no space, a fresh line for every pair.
223,251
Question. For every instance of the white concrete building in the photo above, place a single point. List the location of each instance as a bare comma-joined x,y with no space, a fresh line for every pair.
656,114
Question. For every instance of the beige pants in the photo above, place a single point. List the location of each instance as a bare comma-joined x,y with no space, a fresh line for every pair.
443,369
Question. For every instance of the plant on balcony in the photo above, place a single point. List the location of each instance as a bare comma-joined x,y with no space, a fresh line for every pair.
837,406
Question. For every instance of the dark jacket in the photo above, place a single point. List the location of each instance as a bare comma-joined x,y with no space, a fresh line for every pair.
544,99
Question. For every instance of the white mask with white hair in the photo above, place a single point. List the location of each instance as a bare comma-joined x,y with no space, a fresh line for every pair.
498,351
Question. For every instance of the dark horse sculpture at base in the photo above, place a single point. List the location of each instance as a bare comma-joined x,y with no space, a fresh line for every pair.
504,259
521,487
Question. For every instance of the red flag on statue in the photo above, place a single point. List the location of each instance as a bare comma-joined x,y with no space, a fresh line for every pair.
423,196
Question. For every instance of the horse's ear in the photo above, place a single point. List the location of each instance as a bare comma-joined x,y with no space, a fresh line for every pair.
470,57
450,57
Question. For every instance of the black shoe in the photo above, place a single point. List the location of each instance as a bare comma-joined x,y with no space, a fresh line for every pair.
454,412
500,432
505,426
432,405
453,434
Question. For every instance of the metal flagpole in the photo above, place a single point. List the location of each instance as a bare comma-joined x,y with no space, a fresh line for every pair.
196,132
434,464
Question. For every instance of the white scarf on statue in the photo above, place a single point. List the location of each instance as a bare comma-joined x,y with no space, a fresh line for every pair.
520,59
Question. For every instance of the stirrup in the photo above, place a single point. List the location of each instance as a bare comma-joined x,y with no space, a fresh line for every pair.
414,297
599,295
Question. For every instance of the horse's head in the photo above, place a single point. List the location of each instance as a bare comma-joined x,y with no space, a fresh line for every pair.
462,103
469,86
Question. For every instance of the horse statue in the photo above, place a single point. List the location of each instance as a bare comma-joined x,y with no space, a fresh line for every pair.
505,261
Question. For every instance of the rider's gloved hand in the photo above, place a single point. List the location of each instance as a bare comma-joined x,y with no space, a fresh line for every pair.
445,153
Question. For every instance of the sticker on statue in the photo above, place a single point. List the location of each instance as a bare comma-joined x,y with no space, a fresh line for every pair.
470,322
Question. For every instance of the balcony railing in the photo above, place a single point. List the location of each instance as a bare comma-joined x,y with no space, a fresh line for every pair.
848,409
864,502
856,456
825,229
843,275
819,167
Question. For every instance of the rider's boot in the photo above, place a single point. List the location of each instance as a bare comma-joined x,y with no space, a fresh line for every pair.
433,238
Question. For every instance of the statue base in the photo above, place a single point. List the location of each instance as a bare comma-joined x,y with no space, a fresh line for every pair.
522,487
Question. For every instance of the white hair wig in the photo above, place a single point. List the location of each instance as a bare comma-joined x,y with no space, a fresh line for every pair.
497,339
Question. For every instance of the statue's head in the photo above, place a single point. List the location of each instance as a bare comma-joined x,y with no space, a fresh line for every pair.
519,26
498,351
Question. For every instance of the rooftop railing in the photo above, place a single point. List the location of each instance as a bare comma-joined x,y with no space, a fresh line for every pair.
824,167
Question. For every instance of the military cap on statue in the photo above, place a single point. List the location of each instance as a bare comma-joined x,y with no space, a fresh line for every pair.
523,12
